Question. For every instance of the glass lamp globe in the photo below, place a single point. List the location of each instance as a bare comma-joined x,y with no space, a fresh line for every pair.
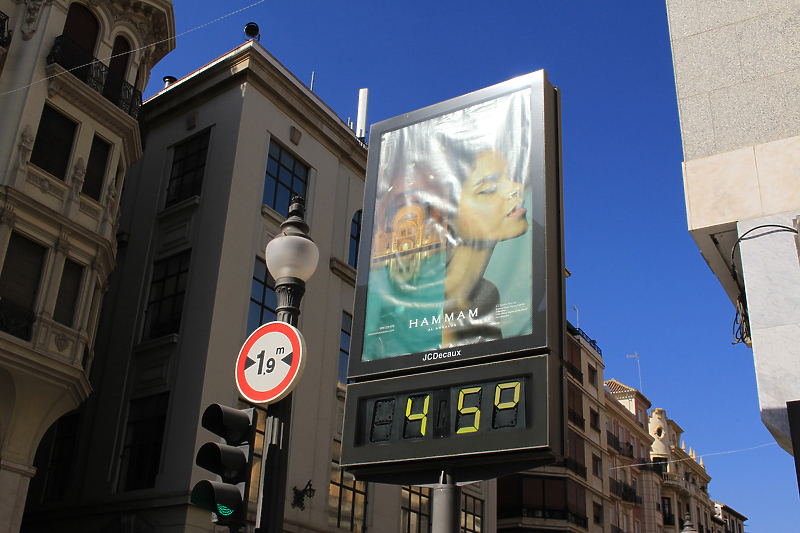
292,256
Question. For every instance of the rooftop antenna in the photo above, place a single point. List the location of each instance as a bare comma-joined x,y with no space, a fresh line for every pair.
311,88
636,355
577,317
361,119
251,31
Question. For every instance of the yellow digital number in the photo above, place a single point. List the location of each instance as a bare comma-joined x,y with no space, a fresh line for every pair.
423,416
499,390
462,394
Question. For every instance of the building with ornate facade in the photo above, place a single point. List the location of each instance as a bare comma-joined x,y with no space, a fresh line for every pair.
70,129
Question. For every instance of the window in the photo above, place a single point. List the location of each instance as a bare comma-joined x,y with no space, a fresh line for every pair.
573,362
347,498
471,514
597,466
597,512
594,420
53,461
576,454
344,348
286,177
68,292
141,454
19,285
167,290
592,375
263,300
81,27
415,511
96,168
575,405
53,144
355,239
188,169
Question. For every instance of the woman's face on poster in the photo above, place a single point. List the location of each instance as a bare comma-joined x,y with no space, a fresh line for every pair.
491,206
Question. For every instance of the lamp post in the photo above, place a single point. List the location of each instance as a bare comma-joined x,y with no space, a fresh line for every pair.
688,527
291,259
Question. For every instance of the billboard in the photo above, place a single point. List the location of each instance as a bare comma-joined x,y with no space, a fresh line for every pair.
458,323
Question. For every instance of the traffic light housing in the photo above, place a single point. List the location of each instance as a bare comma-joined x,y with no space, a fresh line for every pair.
232,462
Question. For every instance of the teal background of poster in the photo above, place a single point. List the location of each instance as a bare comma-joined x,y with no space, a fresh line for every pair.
510,269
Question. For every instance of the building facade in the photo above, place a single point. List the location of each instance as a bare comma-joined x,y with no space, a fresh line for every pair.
69,130
574,493
635,485
737,76
228,146
729,520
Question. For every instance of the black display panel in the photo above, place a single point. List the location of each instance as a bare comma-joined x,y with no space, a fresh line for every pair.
415,426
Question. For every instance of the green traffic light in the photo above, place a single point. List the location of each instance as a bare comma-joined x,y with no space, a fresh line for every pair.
224,511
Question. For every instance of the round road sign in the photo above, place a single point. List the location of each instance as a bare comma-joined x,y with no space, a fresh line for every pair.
270,363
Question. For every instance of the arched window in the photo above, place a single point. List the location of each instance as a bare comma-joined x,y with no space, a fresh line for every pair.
119,57
355,239
82,27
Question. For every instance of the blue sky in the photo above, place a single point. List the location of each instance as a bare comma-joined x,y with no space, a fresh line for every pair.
638,280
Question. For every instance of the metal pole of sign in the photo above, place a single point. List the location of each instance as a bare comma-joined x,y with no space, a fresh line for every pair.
446,512
291,259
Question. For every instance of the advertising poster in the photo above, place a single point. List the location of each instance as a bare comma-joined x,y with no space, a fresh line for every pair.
457,244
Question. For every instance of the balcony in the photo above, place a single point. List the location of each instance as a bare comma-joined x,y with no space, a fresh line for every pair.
576,419
573,465
629,495
574,371
613,442
5,33
615,487
95,74
16,320
669,519
627,449
616,529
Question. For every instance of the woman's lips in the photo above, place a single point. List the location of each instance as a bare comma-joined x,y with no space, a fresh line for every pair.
518,211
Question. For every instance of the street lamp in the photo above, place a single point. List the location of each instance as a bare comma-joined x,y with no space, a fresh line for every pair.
291,259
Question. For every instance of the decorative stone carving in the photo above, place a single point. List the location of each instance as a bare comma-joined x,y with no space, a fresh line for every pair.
89,210
77,180
32,16
110,196
62,245
52,88
61,342
25,147
8,216
45,186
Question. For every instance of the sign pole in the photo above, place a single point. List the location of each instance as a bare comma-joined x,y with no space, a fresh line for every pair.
446,512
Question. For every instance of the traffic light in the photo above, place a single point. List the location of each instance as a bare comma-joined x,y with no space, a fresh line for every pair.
232,462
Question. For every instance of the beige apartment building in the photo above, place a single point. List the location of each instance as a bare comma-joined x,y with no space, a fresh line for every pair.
737,77
574,493
69,130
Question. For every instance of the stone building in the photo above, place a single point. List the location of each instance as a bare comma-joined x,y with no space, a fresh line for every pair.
228,145
69,130
573,494
685,487
635,484
737,75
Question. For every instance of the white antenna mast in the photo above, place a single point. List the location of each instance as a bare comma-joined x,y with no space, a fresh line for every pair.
636,355
577,317
361,119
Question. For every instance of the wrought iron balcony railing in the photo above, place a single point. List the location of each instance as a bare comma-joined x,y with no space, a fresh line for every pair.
576,467
574,371
95,74
615,487
627,449
613,442
5,33
16,320
576,419
669,519
616,529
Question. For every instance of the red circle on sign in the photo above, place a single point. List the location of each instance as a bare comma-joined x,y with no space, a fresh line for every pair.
272,392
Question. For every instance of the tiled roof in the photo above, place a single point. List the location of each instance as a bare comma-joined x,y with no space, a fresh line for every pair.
616,387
